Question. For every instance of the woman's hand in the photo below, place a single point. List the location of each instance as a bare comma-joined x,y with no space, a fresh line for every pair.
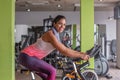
85,56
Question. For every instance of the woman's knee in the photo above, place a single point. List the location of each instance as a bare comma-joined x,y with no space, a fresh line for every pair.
53,71
52,74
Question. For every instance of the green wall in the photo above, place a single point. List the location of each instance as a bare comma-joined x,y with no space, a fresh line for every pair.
7,39
74,36
87,26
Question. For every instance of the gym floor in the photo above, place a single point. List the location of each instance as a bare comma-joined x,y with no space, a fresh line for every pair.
113,71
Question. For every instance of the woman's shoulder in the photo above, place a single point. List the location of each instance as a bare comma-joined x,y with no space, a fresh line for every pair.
47,35
50,32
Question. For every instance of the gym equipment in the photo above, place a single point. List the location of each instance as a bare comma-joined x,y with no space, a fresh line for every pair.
74,70
101,65
113,50
47,23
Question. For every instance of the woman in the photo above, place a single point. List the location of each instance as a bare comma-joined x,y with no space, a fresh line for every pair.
31,57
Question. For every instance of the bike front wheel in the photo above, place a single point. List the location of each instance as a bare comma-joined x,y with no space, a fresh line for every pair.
90,75
66,78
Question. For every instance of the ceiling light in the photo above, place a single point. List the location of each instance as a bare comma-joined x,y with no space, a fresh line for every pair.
100,0
57,0
28,10
77,5
59,6
103,5
38,2
110,18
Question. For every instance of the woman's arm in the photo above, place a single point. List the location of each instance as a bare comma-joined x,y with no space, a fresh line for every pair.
63,49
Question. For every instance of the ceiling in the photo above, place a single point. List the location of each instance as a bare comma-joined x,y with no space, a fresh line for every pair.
61,5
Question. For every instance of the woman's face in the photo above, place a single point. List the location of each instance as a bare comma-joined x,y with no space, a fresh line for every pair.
60,25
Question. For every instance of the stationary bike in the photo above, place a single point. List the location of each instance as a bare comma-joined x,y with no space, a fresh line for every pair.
101,63
74,70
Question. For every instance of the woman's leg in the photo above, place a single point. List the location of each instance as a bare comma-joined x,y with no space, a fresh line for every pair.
46,68
43,69
42,75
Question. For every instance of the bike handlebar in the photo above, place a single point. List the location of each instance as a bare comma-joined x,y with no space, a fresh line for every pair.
94,51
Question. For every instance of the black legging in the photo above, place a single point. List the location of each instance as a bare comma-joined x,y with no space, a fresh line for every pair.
42,68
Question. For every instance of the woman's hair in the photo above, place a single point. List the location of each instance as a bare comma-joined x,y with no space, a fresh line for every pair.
57,18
